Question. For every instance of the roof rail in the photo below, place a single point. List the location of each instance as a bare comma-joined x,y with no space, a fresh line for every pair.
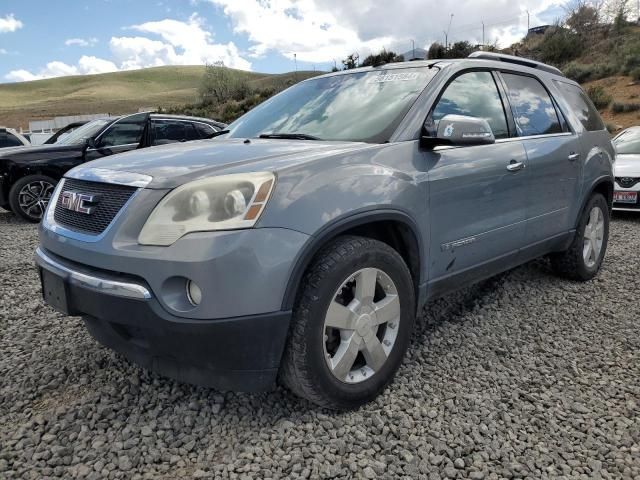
501,57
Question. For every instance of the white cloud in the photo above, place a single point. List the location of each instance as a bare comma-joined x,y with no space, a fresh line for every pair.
176,43
316,31
3,51
81,42
301,27
9,23
183,43
86,65
322,30
91,65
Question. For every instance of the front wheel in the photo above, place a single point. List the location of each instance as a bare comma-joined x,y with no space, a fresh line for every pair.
583,259
30,195
352,324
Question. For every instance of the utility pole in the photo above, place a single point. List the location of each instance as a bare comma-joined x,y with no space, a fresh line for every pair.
413,45
528,22
446,34
483,34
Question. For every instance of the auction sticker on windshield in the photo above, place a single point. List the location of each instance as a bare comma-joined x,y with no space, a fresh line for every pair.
395,77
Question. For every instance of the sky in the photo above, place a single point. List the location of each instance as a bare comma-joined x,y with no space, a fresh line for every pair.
43,39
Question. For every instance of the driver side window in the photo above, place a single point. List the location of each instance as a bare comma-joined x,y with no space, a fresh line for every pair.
473,94
127,131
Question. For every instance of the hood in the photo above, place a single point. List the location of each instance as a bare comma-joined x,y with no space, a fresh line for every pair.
175,164
41,152
627,165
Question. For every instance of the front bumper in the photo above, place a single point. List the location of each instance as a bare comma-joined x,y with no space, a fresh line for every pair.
627,207
122,313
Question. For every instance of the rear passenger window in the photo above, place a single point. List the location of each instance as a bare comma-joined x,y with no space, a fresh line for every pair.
205,131
473,94
532,107
582,106
8,140
172,131
12,141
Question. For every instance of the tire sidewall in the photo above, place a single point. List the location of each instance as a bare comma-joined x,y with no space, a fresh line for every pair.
14,201
350,395
595,201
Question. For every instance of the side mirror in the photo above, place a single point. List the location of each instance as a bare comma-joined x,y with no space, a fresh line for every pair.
91,143
461,130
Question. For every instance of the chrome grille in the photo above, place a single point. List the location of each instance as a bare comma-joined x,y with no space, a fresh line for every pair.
112,198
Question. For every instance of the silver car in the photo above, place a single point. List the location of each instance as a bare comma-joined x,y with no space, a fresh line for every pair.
299,245
627,170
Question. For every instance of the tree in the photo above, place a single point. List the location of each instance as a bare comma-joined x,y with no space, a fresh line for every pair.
460,50
559,46
436,50
381,58
351,61
583,17
220,84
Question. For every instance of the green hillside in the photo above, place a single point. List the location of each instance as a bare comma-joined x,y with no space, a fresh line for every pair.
118,92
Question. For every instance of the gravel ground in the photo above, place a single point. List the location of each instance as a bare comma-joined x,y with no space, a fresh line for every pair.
522,376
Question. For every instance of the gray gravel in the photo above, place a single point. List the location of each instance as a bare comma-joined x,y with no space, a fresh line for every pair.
523,376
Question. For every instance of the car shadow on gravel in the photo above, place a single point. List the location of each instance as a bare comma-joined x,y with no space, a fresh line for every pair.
627,217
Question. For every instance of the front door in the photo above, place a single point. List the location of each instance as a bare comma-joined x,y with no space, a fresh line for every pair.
123,135
477,200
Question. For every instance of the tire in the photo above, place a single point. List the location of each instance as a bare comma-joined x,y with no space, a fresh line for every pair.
337,277
574,263
30,195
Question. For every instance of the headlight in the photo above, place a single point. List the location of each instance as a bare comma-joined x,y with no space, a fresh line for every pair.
227,202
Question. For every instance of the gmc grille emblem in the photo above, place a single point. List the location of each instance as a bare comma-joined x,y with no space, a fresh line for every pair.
78,202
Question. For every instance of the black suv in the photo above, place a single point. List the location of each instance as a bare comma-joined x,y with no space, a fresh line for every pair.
28,175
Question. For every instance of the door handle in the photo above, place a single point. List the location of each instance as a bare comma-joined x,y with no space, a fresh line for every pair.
515,166
574,156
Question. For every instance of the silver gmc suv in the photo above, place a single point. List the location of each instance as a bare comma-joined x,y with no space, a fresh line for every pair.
299,245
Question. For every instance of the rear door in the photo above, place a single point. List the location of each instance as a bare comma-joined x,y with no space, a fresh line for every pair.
595,140
477,199
553,157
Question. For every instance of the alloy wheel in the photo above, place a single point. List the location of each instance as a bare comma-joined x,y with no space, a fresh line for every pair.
593,237
361,325
34,197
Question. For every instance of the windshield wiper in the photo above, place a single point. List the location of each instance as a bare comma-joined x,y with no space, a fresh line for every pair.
217,134
289,136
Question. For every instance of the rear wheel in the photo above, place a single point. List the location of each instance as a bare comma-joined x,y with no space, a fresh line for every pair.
352,324
30,195
583,259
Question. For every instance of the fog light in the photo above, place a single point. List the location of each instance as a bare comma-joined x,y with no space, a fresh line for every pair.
194,294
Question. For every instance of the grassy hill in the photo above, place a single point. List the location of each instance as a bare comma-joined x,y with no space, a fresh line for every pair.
118,92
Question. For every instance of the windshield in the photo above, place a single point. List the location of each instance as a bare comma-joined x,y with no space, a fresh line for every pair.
82,134
628,142
360,107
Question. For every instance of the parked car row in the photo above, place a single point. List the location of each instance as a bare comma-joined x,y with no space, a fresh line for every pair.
28,175
299,245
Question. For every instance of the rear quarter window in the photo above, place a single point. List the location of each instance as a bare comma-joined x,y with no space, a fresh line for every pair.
581,106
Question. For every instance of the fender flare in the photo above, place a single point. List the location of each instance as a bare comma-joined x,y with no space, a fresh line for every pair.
595,184
335,228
